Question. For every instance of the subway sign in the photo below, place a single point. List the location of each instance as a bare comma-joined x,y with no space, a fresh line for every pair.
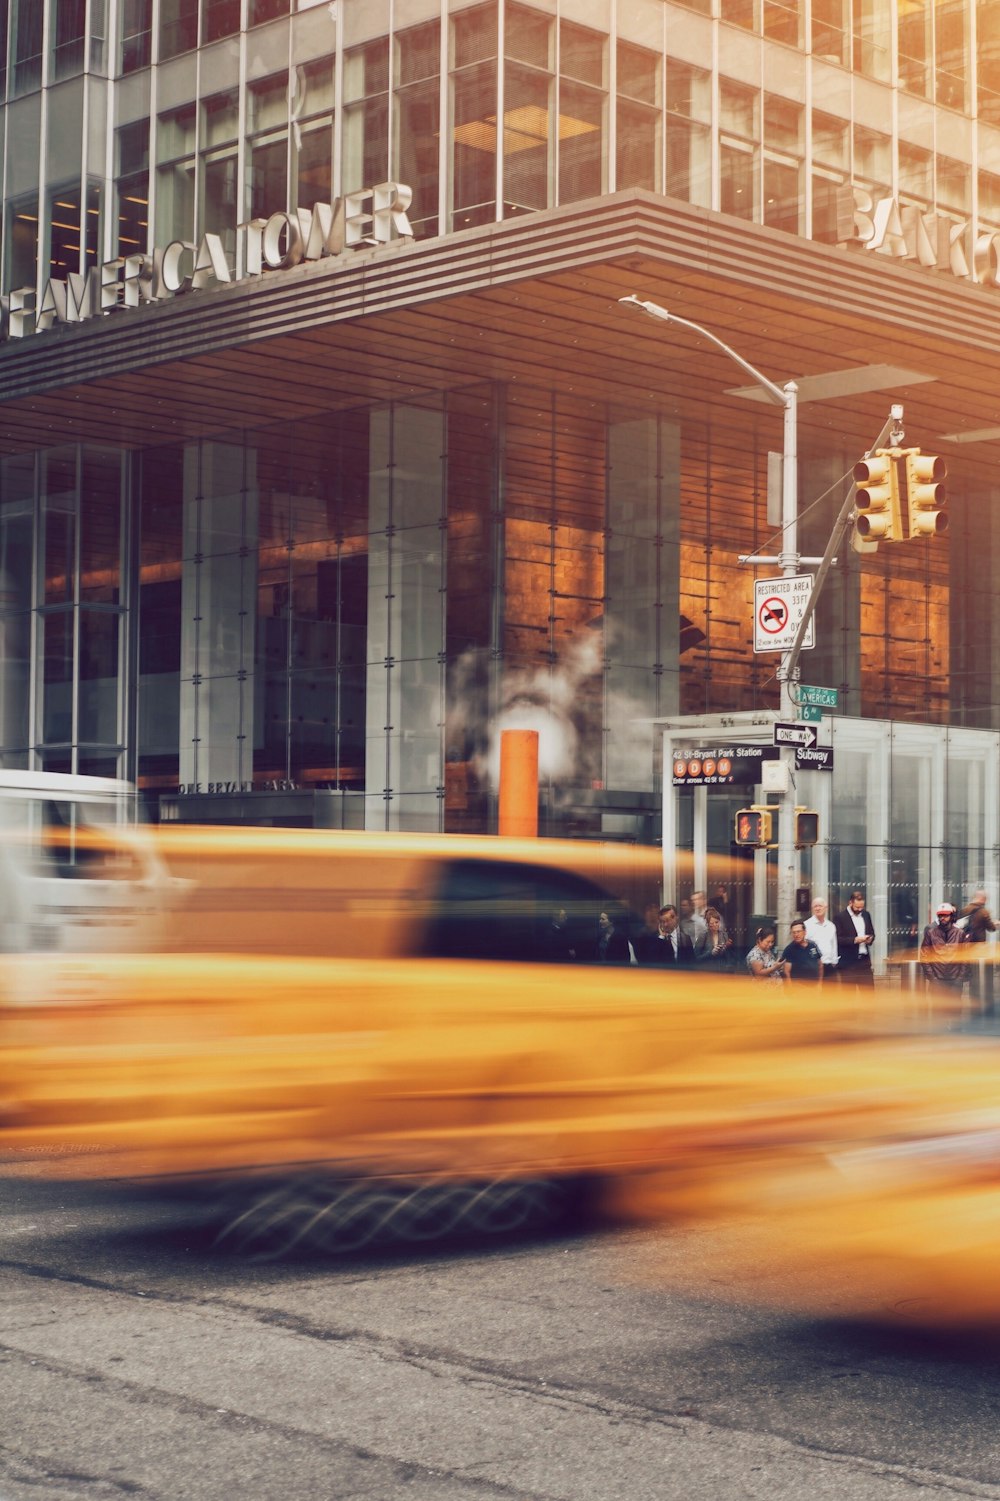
373,216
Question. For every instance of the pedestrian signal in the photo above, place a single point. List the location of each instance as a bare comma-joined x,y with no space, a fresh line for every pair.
877,516
806,827
926,496
753,828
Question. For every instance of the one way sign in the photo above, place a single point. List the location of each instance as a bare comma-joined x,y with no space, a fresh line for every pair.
795,734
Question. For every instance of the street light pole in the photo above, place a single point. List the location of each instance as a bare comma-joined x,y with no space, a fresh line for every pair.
787,398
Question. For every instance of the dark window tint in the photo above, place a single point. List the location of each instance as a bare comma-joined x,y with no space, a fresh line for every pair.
509,912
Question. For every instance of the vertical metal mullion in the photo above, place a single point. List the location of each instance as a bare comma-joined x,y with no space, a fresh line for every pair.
75,694
36,637
498,564
501,88
129,680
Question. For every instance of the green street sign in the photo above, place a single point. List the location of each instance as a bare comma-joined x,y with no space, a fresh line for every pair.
825,697
811,713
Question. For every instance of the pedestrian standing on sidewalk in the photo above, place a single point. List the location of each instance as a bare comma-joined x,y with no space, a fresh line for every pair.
801,957
824,935
855,936
939,950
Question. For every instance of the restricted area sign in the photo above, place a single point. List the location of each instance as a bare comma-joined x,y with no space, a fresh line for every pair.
779,605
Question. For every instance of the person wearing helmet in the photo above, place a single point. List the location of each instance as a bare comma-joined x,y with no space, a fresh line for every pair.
939,947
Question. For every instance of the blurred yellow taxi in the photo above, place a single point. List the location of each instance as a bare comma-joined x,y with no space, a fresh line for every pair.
382,1004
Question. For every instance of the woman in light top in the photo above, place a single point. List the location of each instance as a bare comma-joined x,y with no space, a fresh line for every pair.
762,962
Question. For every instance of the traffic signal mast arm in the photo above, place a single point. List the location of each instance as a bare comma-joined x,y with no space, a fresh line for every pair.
791,664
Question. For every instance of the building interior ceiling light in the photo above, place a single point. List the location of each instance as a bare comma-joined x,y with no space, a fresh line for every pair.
854,381
524,128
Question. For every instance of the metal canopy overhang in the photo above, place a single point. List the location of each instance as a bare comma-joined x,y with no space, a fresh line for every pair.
532,301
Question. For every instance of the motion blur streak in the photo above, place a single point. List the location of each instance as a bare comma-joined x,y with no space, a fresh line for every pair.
316,1011
846,1174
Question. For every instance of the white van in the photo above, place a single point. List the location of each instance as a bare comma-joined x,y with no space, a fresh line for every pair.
76,874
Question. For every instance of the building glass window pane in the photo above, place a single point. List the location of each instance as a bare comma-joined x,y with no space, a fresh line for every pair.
528,37
783,125
689,161
314,166
526,145
366,70
582,54
831,143
260,11
26,47
57,674
100,631
219,18
366,143
4,38
951,34
953,185
740,13
267,158
988,61
737,181
366,123
783,21
638,154
418,130
639,73
914,33
689,91
873,159
69,25
829,30
738,110
474,137
418,53
21,243
132,187
64,231
871,22
137,26
783,204
825,211
989,197
581,136
916,171
175,176
474,35
178,27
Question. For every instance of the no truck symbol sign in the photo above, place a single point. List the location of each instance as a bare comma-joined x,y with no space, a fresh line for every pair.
773,615
779,605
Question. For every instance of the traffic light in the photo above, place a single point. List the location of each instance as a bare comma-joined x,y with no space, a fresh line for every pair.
925,493
753,828
876,498
806,827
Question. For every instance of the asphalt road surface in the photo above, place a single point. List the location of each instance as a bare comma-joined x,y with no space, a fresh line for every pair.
138,1361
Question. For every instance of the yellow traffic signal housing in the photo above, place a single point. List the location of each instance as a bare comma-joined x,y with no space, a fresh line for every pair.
753,828
926,495
806,827
878,517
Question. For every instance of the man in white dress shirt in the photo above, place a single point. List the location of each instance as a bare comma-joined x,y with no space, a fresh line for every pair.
824,935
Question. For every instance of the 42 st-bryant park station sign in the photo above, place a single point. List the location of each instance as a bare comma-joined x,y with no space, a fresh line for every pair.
373,216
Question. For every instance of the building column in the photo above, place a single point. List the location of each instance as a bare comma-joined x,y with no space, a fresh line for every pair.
218,618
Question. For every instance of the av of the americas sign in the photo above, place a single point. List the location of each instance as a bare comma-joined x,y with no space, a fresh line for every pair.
373,216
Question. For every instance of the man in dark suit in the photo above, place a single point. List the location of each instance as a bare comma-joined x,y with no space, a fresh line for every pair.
855,936
668,946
